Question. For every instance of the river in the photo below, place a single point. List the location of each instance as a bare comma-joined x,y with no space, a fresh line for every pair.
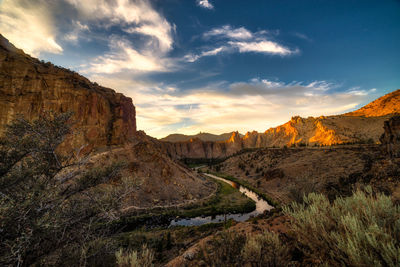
261,206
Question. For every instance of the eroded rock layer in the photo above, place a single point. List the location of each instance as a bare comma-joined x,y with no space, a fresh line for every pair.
30,87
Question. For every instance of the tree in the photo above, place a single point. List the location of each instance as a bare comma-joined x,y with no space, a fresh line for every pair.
47,203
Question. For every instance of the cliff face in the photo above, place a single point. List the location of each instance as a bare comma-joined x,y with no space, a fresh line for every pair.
363,125
30,87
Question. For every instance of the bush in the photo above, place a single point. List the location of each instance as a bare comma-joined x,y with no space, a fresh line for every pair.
134,259
265,250
231,249
223,250
361,230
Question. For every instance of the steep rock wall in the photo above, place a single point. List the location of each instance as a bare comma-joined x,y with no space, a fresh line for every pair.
30,87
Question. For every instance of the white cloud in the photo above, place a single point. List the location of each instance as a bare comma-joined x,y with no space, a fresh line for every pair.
123,56
29,26
134,16
229,32
262,46
212,52
241,40
205,4
35,25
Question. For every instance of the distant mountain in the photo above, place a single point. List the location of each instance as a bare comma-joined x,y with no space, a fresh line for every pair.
202,136
361,126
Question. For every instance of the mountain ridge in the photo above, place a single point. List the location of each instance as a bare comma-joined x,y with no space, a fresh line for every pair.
360,126
202,136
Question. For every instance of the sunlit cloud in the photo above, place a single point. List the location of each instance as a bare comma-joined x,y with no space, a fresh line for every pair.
240,40
220,107
134,18
142,42
123,56
29,25
205,4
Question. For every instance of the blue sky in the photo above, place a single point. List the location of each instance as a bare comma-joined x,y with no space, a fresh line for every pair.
218,65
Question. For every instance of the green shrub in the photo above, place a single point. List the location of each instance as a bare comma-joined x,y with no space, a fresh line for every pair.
361,230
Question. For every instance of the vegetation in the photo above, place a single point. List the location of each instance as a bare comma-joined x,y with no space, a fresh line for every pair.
227,200
361,230
249,186
49,207
133,259
230,249
265,250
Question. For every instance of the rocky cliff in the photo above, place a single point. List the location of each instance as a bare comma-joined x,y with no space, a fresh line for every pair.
30,87
361,126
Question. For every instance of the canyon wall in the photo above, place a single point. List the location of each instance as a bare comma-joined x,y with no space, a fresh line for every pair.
361,126
29,87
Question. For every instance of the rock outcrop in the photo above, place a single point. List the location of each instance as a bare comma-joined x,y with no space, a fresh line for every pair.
30,87
390,139
361,126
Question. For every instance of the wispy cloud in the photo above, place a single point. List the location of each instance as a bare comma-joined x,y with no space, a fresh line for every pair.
302,36
241,40
122,57
134,18
77,32
228,32
205,4
29,25
142,42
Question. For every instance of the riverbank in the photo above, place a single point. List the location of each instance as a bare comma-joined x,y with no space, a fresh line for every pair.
227,200
246,184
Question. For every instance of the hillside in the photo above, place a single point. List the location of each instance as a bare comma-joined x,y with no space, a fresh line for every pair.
202,136
387,104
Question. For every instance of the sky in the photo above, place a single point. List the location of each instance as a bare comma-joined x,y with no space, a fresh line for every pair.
218,65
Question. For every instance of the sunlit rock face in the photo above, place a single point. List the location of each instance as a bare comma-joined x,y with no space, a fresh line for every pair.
30,87
361,126
385,105
390,139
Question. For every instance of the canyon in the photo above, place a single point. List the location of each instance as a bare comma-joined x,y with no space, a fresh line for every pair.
364,125
327,154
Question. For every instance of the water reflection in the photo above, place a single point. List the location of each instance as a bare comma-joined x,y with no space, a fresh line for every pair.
261,206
